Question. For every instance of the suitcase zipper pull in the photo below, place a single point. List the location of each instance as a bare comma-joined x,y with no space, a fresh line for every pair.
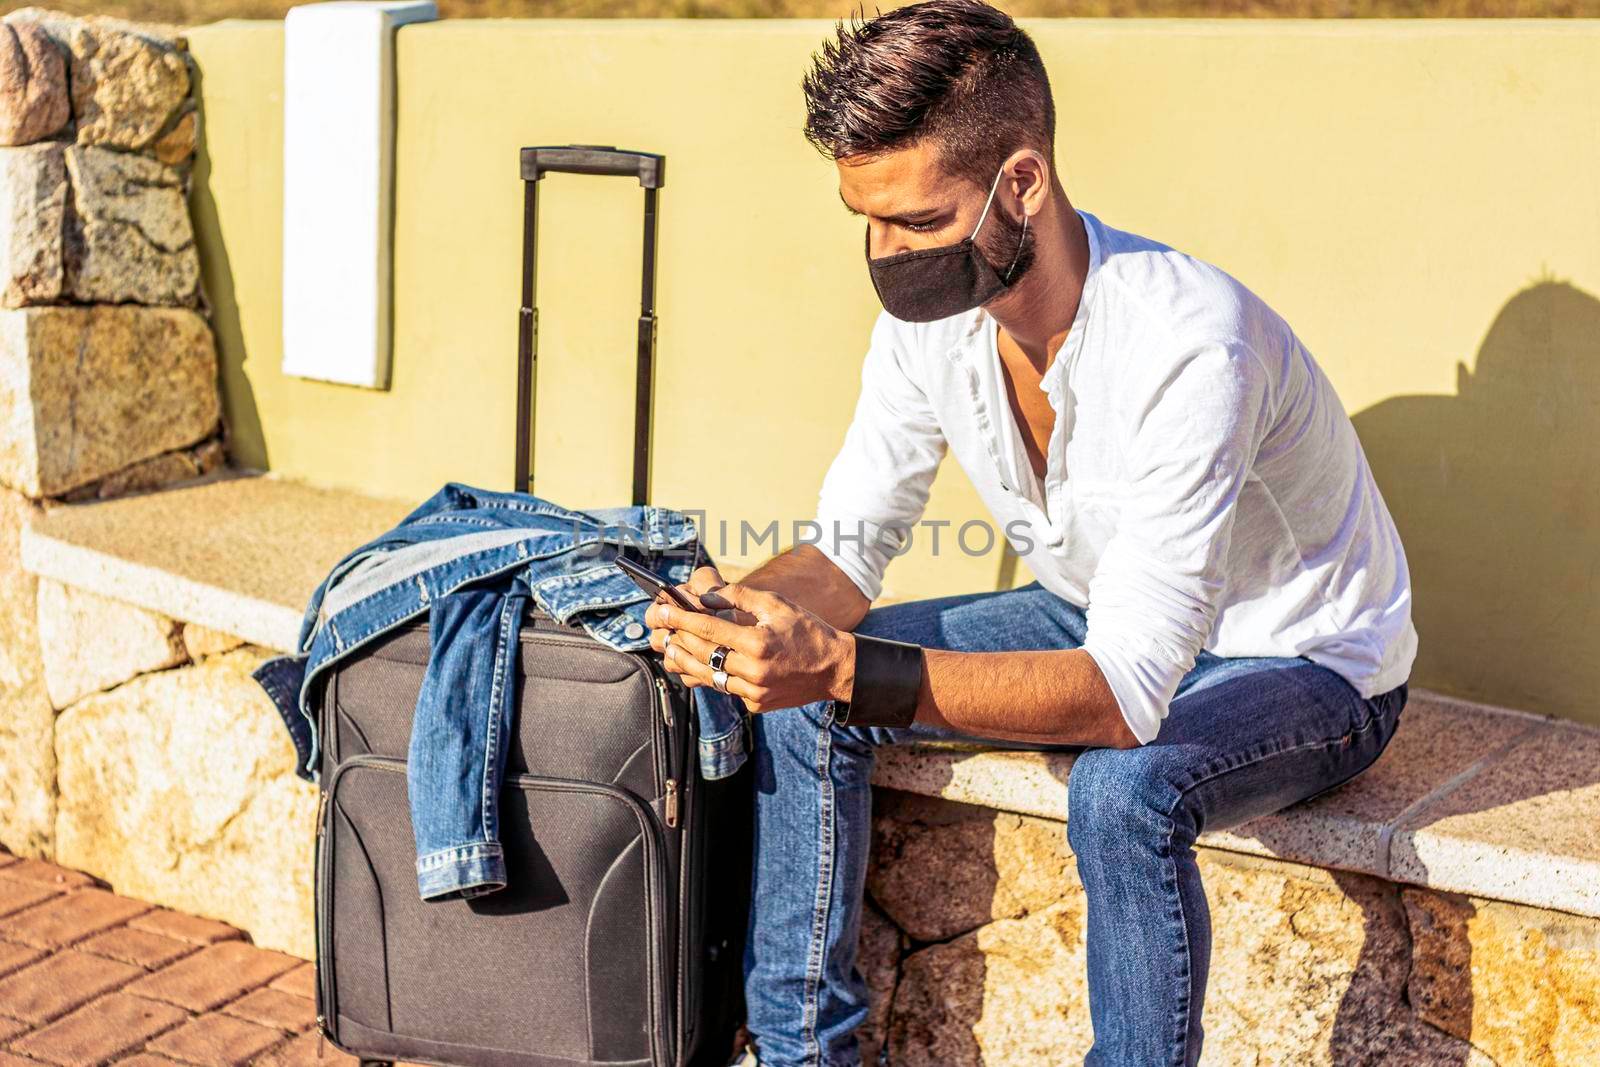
322,1030
666,702
672,802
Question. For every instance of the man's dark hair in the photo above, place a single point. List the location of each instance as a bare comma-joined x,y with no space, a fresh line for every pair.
958,72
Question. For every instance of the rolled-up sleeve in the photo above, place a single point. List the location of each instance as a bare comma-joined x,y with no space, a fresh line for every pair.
1191,441
877,486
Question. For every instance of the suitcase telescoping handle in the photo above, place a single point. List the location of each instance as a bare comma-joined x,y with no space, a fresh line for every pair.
651,170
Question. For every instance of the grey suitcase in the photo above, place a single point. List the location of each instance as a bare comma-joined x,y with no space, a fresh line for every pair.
619,938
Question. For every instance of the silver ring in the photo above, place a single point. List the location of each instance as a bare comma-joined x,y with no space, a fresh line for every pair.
666,644
719,657
719,681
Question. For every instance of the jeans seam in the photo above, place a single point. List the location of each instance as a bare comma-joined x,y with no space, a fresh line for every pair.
1182,1044
810,1008
1172,826
453,854
492,735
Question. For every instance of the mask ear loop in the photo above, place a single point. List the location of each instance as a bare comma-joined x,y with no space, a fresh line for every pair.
1024,237
987,202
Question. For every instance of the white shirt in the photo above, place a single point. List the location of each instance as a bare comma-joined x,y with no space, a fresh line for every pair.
1204,487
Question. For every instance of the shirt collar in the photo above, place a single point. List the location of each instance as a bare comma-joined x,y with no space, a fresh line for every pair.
976,332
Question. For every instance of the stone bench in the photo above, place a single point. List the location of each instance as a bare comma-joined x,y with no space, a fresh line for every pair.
1442,908
1439,909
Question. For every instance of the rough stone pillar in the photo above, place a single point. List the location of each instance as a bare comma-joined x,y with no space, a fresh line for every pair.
108,376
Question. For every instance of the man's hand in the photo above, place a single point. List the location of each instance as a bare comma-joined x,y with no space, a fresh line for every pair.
702,581
780,655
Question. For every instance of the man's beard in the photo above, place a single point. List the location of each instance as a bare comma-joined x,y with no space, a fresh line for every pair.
1000,247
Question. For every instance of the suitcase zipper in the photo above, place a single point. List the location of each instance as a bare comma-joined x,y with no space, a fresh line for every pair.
686,860
689,880
324,969
654,861
666,701
322,1020
661,732
678,809
669,761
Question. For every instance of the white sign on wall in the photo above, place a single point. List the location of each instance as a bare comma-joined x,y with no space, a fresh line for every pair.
338,167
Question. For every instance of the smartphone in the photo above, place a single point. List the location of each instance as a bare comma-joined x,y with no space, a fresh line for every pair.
655,584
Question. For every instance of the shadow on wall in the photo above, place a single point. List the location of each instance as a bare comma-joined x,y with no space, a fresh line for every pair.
1496,492
246,440
1391,1012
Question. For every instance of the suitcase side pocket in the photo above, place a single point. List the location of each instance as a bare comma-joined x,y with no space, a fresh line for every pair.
565,965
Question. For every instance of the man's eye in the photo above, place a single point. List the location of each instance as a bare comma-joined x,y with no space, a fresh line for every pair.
922,227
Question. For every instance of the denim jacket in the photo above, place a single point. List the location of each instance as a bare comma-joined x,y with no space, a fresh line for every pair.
472,559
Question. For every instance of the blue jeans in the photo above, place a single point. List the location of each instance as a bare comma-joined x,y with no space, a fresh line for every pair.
1244,738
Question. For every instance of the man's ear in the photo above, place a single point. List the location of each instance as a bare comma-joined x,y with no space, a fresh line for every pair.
1028,176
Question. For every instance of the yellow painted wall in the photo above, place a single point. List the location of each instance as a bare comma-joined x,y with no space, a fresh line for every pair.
1417,198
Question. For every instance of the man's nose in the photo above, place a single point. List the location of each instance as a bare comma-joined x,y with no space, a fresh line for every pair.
882,240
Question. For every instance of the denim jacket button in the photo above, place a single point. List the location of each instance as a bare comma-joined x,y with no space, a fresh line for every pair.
633,631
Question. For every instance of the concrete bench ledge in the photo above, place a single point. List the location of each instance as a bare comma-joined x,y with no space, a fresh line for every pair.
237,551
1468,798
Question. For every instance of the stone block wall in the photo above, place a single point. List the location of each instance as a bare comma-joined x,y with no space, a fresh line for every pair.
108,366
973,948
175,778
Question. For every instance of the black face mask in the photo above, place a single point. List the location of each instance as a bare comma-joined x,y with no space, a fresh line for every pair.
924,284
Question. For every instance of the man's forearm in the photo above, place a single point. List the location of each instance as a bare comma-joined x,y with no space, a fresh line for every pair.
1050,697
810,579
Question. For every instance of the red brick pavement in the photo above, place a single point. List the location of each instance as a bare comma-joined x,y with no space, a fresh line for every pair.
88,978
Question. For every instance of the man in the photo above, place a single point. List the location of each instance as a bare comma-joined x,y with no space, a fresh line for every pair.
1221,615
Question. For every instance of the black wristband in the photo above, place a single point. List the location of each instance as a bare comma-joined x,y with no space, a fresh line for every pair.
888,680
